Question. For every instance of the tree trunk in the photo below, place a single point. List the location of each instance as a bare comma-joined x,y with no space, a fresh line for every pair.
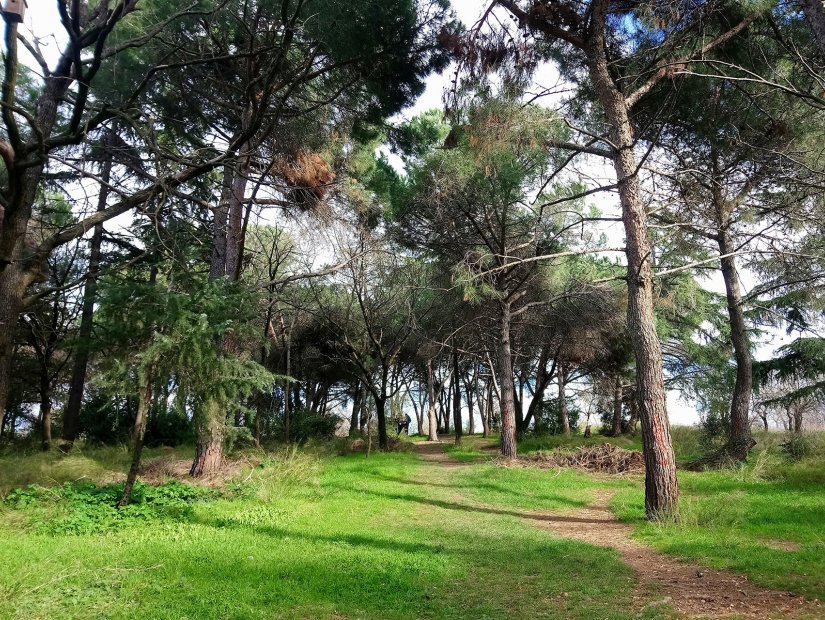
661,486
77,384
815,12
564,417
356,409
488,407
508,411
45,407
444,406
432,433
542,379
469,387
13,284
138,433
740,440
457,422
211,429
617,406
380,411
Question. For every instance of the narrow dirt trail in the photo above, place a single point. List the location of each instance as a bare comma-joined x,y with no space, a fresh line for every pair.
694,591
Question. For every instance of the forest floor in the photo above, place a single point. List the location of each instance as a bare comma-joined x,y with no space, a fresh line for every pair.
436,532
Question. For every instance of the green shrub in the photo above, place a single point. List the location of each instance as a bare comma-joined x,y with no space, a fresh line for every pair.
82,507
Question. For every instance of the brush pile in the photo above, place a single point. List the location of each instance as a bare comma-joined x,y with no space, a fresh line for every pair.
604,458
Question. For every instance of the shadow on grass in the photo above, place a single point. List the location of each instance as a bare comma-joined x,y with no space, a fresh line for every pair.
475,508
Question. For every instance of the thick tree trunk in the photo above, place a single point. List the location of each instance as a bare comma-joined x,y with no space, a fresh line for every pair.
138,433
380,411
211,429
740,440
617,406
227,254
457,422
13,284
797,420
815,12
508,411
661,486
564,416
432,431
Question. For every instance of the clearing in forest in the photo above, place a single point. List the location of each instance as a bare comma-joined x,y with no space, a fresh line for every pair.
433,533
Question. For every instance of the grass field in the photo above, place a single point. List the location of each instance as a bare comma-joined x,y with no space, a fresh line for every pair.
307,535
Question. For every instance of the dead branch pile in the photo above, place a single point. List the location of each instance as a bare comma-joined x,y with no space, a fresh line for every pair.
605,458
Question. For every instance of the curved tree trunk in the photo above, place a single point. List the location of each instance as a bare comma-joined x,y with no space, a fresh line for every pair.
508,410
740,440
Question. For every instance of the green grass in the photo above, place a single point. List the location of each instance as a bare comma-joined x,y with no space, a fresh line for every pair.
766,519
101,464
308,535
347,537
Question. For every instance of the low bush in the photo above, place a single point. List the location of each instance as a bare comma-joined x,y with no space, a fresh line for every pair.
83,507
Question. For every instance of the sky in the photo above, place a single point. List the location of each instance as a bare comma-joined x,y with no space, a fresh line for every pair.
42,21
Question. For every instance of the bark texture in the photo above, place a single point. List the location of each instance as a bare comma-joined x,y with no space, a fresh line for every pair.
508,410
661,487
815,12
740,440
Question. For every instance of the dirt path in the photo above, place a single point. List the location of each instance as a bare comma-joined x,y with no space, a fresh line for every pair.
694,591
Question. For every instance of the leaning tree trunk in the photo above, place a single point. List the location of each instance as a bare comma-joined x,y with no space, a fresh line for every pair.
508,408
617,406
815,12
661,486
740,440
138,434
564,417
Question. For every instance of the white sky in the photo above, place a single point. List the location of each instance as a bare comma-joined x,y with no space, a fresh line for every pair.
42,19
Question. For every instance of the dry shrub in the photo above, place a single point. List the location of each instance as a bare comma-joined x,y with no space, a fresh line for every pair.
307,174
604,458
162,469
